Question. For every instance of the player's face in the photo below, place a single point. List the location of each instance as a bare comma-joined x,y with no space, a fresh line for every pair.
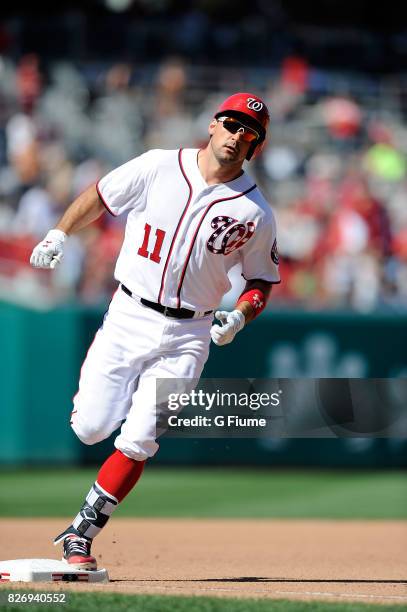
228,147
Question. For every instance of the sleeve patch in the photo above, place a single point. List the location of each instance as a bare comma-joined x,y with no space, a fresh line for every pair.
274,253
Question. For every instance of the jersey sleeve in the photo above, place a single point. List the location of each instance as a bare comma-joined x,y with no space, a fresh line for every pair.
259,257
126,187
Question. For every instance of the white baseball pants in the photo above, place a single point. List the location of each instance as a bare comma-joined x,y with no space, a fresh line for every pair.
134,346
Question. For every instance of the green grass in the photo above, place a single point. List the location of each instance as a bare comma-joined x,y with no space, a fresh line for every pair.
230,493
100,602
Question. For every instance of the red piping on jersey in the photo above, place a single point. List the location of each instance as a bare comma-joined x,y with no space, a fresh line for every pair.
178,226
103,200
196,233
271,282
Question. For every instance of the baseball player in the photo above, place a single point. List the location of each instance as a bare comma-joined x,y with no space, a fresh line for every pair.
192,215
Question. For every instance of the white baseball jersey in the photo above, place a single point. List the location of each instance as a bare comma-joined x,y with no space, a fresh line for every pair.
182,235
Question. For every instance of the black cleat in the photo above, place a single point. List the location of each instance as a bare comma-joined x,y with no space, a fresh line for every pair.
77,552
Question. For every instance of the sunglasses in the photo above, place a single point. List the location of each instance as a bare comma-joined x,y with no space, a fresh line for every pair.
234,126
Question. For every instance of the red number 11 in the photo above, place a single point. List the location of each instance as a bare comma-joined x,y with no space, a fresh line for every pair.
159,239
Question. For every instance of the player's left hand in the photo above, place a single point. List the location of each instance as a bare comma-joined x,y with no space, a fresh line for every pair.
231,323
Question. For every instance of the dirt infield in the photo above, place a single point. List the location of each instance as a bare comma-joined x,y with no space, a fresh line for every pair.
291,559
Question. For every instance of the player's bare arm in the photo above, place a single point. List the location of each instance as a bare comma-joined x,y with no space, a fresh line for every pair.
84,210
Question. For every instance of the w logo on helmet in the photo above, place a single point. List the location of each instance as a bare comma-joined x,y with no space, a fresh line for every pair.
254,104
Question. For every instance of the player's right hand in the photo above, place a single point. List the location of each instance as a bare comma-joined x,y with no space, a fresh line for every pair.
49,252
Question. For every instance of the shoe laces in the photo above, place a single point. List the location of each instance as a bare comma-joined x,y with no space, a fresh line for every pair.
76,545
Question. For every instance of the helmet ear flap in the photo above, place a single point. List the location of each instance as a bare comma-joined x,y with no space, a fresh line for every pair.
255,149
251,150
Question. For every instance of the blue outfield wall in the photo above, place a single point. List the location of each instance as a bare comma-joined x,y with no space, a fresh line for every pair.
42,353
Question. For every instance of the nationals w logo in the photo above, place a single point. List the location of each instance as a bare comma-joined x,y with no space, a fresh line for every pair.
254,104
237,235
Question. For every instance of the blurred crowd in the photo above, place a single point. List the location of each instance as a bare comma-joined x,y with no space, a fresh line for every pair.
334,170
